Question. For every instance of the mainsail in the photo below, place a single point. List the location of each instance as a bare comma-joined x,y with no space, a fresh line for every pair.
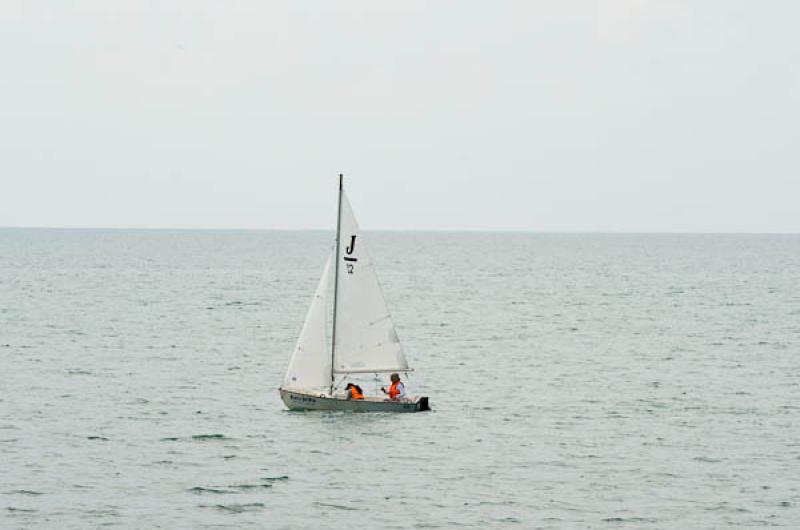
310,365
365,340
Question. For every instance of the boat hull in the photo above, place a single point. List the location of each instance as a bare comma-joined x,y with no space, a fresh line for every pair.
295,400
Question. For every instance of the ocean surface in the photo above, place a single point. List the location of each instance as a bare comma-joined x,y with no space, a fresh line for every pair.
578,381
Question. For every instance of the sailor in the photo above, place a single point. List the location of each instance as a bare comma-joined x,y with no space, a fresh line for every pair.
354,391
397,391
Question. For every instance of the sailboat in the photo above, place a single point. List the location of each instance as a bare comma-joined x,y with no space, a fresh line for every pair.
363,336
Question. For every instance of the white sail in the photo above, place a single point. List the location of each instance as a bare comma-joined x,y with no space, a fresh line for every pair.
365,338
310,365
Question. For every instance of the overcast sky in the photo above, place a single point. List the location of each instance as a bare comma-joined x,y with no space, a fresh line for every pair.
608,115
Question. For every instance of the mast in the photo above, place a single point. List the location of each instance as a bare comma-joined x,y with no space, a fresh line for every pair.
336,280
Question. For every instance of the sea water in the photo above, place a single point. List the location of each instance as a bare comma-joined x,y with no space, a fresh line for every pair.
577,381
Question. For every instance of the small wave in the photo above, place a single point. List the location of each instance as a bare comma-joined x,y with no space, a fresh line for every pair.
496,503
275,479
246,487
23,510
706,459
199,490
236,508
210,437
24,492
628,520
101,438
169,439
337,506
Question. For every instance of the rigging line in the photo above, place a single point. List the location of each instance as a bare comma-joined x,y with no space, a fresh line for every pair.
336,386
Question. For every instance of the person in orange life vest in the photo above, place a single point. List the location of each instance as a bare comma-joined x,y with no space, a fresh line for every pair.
397,391
354,391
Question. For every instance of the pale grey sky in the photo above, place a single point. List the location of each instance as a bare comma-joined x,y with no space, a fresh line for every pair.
618,115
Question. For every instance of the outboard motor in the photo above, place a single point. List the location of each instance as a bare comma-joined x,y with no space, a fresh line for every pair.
423,404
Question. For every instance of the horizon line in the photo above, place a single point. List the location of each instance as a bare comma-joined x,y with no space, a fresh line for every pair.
426,230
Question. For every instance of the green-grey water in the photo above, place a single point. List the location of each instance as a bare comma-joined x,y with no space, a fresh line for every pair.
577,381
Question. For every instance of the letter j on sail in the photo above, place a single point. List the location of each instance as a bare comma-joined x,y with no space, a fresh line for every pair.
349,250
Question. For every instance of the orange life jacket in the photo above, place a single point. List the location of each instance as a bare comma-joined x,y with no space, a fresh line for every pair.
355,394
393,391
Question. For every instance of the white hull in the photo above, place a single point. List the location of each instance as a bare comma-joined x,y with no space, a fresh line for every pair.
305,401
